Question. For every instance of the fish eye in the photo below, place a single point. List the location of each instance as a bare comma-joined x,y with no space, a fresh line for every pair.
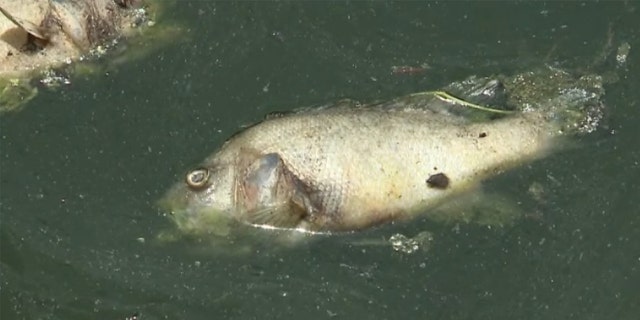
198,178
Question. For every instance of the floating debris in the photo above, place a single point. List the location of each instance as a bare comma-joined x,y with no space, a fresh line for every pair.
623,53
410,70
401,243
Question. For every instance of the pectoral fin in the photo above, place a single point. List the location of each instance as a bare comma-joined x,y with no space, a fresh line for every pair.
270,193
260,180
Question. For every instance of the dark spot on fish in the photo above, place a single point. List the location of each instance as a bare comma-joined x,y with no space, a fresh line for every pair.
435,168
482,134
198,178
438,181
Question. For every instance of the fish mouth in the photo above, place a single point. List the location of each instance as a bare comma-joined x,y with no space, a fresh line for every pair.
192,216
202,221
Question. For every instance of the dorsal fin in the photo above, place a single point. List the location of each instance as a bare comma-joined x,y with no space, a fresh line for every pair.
444,103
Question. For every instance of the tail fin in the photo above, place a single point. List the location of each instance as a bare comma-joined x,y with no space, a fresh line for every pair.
570,104
573,104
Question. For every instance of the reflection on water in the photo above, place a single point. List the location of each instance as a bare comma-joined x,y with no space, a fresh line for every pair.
81,170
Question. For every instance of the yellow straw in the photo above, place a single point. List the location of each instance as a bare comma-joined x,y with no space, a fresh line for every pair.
444,96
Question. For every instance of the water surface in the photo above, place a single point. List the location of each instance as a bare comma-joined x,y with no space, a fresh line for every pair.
81,169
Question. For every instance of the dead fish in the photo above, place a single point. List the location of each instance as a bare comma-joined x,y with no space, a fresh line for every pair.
349,167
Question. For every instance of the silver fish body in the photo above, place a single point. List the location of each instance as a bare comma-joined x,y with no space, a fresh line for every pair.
349,167
358,168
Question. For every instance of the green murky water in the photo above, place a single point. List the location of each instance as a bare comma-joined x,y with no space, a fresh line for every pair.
80,170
